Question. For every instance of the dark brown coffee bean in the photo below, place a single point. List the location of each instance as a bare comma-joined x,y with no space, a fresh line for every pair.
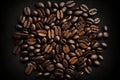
31,41
104,45
100,57
29,69
39,5
62,4
24,46
88,70
105,28
97,20
69,71
55,5
69,12
47,11
78,12
59,65
50,67
27,11
100,50
100,35
97,63
49,4
74,19
46,74
66,25
84,8
16,50
68,76
65,63
64,9
93,11
22,19
26,24
70,4
72,47
105,34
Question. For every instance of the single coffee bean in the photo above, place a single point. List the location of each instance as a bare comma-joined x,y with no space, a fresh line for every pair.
59,65
100,35
93,11
39,5
88,70
78,12
94,56
70,4
27,11
105,28
66,49
105,34
104,45
97,20
16,50
50,67
62,4
97,63
29,69
84,8
73,60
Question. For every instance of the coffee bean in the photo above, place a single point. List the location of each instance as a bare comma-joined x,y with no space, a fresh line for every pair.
78,12
105,28
97,63
42,33
97,20
94,56
100,35
62,4
48,48
93,11
66,49
50,67
73,60
26,24
64,9
88,70
105,34
49,4
104,45
59,65
66,25
22,19
29,69
39,5
65,63
84,8
70,4
27,11
31,41
78,52
59,14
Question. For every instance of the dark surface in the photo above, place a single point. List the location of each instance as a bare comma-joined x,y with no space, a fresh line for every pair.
12,69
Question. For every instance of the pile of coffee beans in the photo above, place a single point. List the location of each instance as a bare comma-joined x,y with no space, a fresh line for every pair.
60,40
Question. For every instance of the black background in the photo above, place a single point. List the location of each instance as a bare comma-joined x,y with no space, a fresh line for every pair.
12,69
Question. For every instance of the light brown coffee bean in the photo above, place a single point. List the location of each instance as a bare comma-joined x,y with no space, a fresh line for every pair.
42,33
67,33
48,48
51,34
78,52
66,49
73,60
59,14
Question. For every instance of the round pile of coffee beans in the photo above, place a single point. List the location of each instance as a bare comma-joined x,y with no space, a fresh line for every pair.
60,40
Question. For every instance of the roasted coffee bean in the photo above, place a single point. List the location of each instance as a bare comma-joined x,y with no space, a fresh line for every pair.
60,40
27,11
29,69
42,33
70,4
104,45
84,8
31,41
97,20
105,34
78,52
97,63
88,70
59,14
94,56
50,67
39,5
66,49
93,11
73,60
